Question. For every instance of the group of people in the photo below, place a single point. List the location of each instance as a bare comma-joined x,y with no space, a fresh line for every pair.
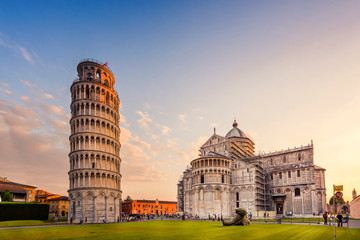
331,217
214,217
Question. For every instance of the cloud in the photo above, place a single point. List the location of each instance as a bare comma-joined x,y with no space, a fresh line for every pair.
5,84
145,119
25,54
26,83
165,130
7,43
147,106
32,144
182,117
7,92
123,121
25,99
46,95
153,136
201,118
138,166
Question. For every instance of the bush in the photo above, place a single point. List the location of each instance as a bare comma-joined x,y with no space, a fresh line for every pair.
63,219
6,196
23,211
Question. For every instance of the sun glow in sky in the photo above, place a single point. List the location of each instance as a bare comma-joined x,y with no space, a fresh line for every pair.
288,71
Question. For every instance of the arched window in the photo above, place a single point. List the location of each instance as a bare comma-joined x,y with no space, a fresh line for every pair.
237,200
284,159
299,156
271,161
202,179
222,178
297,191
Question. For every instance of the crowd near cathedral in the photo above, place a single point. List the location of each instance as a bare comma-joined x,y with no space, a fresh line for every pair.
228,175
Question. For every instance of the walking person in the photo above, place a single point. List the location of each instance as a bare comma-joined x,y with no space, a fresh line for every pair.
331,220
340,218
250,215
325,216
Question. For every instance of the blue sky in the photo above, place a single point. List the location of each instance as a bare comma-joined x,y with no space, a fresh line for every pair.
286,70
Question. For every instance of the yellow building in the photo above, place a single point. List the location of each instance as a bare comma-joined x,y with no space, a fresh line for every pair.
58,206
43,196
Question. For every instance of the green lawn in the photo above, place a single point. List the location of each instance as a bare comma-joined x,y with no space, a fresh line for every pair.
181,230
22,223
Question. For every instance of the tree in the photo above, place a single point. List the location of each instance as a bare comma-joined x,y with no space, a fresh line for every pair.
341,201
7,196
128,198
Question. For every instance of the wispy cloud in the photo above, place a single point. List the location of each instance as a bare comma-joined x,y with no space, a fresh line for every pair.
147,106
7,43
46,95
181,117
26,83
7,92
165,130
123,121
5,84
145,119
25,54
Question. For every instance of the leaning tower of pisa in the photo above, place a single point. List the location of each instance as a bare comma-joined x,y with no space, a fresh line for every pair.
94,175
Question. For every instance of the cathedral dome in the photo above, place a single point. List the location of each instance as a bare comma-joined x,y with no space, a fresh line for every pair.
235,132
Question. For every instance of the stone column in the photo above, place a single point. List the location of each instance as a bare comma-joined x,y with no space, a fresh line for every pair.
83,208
95,213
293,200
106,207
302,202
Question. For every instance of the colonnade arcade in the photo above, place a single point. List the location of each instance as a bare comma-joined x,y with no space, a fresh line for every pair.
95,205
94,125
211,199
94,160
88,108
97,178
93,91
89,142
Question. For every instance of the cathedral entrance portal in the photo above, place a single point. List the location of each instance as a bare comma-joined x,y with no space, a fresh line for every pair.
279,200
279,208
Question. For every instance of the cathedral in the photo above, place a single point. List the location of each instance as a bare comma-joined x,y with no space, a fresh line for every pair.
228,175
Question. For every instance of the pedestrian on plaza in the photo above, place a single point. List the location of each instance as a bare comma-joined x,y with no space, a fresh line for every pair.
325,216
85,219
71,220
340,218
81,220
250,215
331,220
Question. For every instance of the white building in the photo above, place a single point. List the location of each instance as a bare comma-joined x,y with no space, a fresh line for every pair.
94,176
227,175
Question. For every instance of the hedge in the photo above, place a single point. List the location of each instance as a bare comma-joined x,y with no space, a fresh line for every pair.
23,211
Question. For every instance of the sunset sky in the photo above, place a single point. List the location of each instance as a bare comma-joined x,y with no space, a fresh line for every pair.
288,71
